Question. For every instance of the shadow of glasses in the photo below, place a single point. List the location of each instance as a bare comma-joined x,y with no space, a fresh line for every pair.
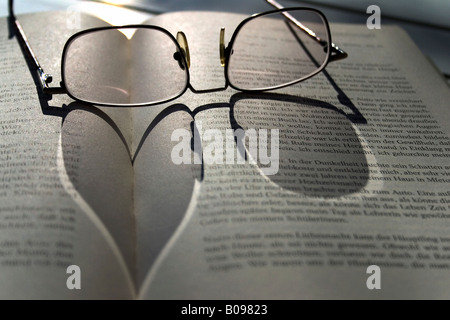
320,153
103,170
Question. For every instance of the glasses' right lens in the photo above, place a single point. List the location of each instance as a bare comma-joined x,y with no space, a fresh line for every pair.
124,66
278,49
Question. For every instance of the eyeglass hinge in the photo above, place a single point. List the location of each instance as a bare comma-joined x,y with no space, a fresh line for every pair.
337,53
45,79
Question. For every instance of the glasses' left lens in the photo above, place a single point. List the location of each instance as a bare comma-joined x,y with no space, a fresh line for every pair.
277,49
124,66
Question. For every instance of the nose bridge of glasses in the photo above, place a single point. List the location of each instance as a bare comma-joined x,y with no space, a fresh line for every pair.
182,41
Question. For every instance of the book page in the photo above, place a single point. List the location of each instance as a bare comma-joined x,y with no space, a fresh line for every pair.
66,182
164,191
362,179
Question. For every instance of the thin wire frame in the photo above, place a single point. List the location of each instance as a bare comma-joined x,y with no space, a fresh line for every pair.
286,13
45,79
179,49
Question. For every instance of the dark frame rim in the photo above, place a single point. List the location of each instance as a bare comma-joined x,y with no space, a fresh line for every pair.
248,19
132,26
188,83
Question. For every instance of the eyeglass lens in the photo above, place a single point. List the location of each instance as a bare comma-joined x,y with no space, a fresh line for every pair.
274,50
123,66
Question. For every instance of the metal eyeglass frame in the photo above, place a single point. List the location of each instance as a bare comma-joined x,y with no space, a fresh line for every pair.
182,47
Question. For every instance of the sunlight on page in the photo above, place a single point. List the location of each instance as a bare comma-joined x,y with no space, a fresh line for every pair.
115,15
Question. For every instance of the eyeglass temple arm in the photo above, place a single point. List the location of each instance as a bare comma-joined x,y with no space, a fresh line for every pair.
336,52
44,78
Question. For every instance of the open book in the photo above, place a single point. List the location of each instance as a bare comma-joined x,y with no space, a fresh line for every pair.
362,180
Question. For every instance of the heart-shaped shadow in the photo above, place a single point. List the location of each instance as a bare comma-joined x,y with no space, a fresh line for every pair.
139,196
320,152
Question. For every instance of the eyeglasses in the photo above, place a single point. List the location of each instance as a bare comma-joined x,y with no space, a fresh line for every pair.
267,51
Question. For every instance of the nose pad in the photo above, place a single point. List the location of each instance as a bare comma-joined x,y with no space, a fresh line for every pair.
177,56
182,41
222,47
